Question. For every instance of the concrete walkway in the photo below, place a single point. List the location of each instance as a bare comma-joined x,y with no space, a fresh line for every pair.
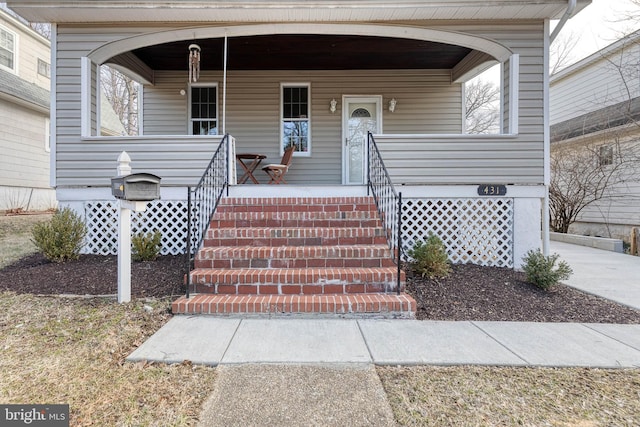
611,275
312,341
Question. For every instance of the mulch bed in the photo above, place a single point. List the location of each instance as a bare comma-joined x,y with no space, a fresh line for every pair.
470,292
94,275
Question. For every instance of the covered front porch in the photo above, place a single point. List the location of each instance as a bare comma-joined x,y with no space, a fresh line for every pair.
319,87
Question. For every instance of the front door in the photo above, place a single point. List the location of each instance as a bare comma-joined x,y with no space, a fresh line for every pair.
361,115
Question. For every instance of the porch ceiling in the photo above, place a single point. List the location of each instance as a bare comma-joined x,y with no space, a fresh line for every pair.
307,52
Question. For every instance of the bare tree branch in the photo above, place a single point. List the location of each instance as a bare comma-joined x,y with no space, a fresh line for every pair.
122,93
561,51
482,110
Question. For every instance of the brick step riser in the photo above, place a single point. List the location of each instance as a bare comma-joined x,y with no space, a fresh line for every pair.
294,223
307,252
286,232
296,289
302,241
302,204
369,209
294,215
387,306
271,263
318,276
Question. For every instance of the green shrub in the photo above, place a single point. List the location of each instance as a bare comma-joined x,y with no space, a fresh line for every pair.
429,258
61,238
545,271
146,246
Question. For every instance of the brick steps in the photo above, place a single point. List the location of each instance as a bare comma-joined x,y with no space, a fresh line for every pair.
365,305
296,255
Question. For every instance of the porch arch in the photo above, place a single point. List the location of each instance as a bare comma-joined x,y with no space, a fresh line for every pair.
498,51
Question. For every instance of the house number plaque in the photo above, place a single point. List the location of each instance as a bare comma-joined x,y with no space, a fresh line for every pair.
492,190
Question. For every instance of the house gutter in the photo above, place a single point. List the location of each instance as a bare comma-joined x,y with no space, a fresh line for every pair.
571,6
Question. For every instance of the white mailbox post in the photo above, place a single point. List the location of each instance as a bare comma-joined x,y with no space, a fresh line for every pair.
133,192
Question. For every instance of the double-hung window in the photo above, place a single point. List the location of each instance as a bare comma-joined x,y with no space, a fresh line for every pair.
295,118
7,50
204,110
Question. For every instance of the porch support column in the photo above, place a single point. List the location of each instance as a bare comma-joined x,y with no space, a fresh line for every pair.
224,88
85,96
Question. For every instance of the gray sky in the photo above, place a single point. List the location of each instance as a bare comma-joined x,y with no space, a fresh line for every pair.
600,24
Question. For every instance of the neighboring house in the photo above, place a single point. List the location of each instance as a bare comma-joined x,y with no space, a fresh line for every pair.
25,80
594,114
319,74
24,117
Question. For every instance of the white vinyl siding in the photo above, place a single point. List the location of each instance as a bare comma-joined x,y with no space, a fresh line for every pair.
24,161
605,82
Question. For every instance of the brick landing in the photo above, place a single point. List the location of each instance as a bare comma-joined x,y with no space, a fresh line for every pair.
353,305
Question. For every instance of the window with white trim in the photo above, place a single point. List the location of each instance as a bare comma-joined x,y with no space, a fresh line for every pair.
204,110
7,50
295,118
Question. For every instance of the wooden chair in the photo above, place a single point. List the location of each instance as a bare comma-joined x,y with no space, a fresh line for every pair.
277,171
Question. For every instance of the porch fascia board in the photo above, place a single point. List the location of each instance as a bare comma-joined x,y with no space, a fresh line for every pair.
496,50
296,10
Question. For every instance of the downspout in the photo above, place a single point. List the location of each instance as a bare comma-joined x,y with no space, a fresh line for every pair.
571,6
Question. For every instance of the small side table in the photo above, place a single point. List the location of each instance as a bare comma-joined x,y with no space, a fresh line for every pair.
249,162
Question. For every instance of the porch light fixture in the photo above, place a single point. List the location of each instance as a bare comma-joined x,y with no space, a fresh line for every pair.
194,62
392,105
332,105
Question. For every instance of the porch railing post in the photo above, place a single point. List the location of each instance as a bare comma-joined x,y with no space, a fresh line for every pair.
399,248
368,164
188,278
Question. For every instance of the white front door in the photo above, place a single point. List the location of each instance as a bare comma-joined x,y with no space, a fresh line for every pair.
361,115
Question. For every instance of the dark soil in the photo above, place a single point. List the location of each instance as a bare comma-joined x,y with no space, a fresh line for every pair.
472,292
93,275
469,293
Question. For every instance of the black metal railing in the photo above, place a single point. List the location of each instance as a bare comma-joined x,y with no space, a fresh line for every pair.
203,200
387,200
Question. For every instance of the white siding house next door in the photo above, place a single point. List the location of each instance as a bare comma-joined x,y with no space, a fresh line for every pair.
362,114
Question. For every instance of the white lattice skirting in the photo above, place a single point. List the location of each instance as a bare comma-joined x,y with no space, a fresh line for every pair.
477,231
167,216
474,230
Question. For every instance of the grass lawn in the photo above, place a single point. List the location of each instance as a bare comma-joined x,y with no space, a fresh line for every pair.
492,396
72,350
15,236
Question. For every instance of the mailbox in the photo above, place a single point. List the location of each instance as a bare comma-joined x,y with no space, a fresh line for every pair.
136,187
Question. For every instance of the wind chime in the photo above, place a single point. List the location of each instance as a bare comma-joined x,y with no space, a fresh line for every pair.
194,62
